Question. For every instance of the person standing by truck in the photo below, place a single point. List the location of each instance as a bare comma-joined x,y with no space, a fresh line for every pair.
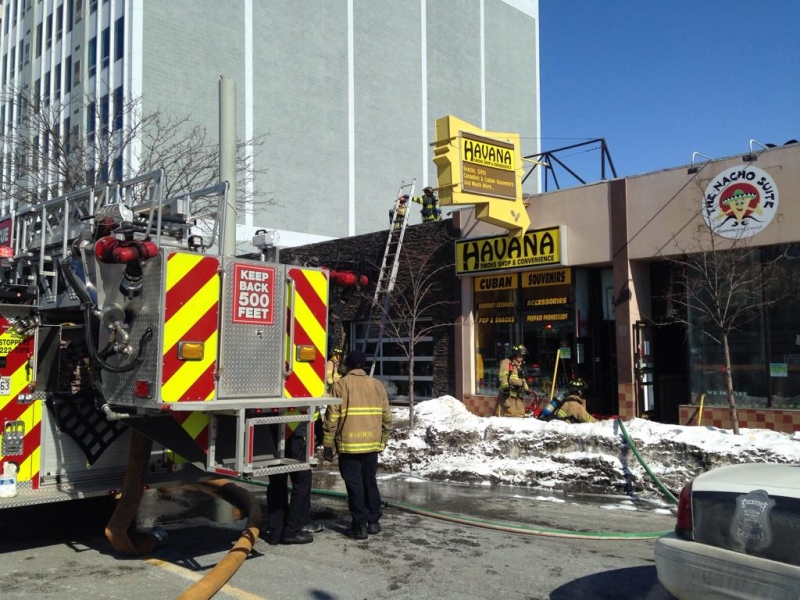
358,428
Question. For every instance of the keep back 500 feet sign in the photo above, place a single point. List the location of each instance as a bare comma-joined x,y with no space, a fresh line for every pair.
254,293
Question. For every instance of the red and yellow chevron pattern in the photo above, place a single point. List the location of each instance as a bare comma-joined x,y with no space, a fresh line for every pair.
17,351
307,379
191,310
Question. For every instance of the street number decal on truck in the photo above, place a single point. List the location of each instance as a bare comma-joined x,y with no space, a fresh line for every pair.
5,386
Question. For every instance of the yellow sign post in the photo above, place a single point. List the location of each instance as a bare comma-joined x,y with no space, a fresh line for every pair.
481,168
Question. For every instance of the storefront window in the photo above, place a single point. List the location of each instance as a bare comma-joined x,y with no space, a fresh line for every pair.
496,326
747,343
534,308
783,325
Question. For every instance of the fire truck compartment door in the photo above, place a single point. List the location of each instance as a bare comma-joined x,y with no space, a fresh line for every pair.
252,326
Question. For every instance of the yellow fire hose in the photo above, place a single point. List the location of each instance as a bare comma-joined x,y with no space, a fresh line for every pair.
213,581
131,496
132,488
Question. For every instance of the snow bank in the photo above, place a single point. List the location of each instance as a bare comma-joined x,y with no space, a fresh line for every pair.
448,443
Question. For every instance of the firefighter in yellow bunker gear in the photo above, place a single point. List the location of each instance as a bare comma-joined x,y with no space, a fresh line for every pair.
333,368
574,407
430,205
396,218
513,386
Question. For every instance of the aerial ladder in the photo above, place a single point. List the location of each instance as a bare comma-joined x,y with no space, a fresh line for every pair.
381,300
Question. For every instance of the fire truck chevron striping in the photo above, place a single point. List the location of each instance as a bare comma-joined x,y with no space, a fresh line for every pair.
191,313
21,418
310,317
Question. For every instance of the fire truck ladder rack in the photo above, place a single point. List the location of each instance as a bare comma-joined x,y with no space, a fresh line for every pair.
42,234
387,277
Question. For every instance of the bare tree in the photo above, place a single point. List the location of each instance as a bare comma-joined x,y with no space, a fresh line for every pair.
417,306
60,147
723,285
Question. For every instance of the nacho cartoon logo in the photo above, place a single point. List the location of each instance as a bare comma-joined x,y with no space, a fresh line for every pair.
740,202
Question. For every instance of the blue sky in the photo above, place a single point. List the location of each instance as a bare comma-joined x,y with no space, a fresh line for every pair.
660,80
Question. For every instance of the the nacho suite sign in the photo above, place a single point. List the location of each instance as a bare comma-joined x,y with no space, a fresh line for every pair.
740,202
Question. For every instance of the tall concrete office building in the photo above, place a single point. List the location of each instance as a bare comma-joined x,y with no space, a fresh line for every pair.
345,92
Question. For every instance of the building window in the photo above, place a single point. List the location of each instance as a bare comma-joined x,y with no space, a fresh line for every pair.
78,10
37,94
59,22
104,115
68,74
119,42
105,44
38,40
27,52
5,18
21,56
91,116
76,72
93,6
48,23
5,68
46,91
70,14
391,362
57,84
92,58
12,59
118,108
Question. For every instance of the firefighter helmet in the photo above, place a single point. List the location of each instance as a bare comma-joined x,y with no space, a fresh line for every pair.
337,350
577,385
427,190
519,350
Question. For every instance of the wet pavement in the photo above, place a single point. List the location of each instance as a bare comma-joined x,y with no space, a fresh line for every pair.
417,556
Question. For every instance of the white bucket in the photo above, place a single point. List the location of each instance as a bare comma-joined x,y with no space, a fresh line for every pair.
8,481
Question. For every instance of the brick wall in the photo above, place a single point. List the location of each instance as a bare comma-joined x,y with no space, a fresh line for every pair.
426,248
785,421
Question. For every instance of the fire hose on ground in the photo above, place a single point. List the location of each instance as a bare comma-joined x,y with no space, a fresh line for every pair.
131,495
211,583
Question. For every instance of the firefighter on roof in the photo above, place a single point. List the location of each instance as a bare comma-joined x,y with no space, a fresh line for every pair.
430,205
513,386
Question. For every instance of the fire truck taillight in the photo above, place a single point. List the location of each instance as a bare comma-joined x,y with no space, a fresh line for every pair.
191,350
143,389
306,354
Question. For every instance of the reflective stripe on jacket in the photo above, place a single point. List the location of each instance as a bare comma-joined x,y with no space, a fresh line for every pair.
362,422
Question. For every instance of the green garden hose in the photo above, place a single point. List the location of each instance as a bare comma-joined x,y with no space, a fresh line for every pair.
660,485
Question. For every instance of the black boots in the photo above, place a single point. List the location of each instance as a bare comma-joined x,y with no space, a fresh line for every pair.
373,528
301,537
358,532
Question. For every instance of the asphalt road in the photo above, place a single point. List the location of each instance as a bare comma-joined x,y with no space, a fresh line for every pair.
58,551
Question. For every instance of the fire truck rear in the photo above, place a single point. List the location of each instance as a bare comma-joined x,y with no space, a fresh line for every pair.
114,319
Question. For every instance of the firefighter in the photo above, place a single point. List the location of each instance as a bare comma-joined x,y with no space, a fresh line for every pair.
430,205
332,369
359,429
573,407
396,218
289,520
513,386
333,373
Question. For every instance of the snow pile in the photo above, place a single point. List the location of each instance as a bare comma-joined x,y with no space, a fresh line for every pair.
448,443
